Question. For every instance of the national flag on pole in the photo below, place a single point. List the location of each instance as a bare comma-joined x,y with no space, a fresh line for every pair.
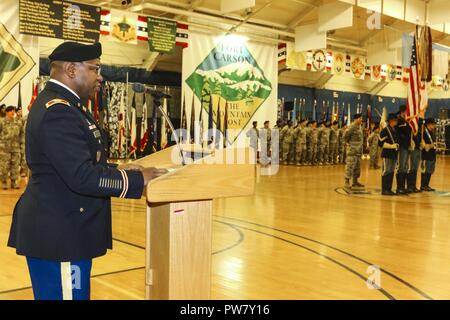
413,102
183,122
121,127
294,112
154,129
200,123
133,131
314,115
19,97
192,121
164,141
225,126
369,117
218,127
349,121
34,95
210,120
144,126
383,120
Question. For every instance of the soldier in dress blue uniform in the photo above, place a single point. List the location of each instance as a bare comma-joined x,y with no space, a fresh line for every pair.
388,141
428,154
404,140
63,219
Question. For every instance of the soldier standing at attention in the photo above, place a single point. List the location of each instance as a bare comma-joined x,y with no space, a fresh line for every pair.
253,134
354,139
404,140
10,141
388,141
300,148
428,154
342,143
279,127
314,141
372,142
23,162
333,143
265,135
287,136
414,162
63,219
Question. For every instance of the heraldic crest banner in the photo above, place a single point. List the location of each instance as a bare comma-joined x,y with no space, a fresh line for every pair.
232,81
19,55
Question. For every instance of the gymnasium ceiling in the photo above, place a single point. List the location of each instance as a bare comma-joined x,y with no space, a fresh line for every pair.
268,21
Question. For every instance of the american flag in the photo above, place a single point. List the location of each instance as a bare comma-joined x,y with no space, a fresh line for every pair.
413,104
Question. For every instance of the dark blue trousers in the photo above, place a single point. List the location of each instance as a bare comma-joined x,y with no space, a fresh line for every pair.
53,280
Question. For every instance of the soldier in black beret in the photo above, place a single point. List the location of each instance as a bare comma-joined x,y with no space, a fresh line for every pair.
428,154
63,220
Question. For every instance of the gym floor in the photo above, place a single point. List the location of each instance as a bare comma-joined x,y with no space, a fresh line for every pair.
301,236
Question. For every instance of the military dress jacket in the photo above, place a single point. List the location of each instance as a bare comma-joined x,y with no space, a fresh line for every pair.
65,212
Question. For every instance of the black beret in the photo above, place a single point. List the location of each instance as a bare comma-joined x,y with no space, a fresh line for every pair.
304,120
10,108
2,106
429,121
357,116
392,116
402,108
76,52
335,122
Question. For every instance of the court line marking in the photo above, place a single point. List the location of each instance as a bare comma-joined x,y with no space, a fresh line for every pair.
404,282
238,242
94,276
342,265
389,198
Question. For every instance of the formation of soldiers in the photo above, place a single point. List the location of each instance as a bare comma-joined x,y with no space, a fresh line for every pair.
12,146
312,143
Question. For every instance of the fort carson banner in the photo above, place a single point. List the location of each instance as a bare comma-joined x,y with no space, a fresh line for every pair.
19,56
237,79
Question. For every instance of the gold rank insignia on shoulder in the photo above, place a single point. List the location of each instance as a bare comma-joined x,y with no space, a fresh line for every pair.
56,101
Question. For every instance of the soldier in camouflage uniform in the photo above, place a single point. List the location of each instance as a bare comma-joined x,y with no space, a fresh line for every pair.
312,143
2,111
342,147
374,149
322,144
300,143
10,144
333,143
354,138
287,138
23,162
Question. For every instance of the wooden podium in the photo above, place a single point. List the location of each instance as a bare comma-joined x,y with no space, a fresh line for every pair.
179,217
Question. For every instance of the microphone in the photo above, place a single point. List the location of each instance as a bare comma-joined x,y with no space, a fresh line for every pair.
183,160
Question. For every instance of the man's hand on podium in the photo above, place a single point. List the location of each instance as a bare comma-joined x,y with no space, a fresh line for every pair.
152,173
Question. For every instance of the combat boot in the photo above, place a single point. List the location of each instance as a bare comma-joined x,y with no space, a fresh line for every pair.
357,184
347,184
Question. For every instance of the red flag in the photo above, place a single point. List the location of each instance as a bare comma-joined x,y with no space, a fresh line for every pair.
413,101
34,95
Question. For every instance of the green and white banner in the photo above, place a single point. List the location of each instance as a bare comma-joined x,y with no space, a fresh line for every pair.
19,57
234,78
